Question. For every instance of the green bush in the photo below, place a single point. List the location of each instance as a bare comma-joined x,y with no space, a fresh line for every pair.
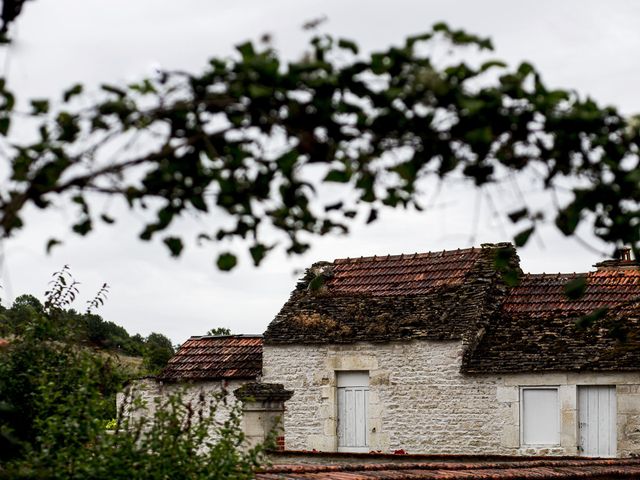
58,396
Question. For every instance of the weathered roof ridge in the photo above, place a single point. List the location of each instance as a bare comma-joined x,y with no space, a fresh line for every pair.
556,275
231,335
404,256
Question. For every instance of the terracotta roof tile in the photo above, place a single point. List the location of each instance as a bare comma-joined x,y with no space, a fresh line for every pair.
544,293
216,357
525,469
435,295
414,274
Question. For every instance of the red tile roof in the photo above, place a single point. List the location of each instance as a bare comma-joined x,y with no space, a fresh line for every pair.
435,295
525,469
540,293
216,357
420,273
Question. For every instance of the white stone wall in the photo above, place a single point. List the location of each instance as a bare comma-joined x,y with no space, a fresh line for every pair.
148,390
421,403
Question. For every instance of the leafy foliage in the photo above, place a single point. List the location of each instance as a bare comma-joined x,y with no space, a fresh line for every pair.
43,374
219,331
58,397
157,352
240,141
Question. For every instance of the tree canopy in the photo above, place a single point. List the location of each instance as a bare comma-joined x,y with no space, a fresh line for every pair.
243,140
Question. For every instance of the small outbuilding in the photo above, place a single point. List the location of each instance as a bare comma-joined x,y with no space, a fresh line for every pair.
206,367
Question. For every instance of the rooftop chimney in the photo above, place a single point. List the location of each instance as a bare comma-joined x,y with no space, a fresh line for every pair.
622,261
623,254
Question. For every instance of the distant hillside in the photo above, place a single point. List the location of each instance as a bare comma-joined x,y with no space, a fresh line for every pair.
91,330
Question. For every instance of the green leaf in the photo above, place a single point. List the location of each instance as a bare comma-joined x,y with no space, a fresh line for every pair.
511,277
334,206
246,50
411,41
316,283
107,219
40,107
574,289
339,176
5,123
522,238
348,45
175,245
518,215
525,69
492,64
143,87
83,227
72,92
587,320
52,243
258,252
198,202
112,89
568,219
440,27
373,215
259,91
69,128
226,261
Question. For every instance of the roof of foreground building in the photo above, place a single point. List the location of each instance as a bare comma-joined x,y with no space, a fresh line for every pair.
473,469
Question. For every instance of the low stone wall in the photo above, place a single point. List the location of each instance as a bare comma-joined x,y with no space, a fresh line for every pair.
419,401
149,390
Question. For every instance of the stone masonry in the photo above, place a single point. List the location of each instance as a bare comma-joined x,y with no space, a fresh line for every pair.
149,391
420,402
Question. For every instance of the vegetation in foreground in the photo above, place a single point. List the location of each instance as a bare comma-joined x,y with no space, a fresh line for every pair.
57,397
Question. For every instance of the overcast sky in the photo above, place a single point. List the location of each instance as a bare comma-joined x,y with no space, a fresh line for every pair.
592,46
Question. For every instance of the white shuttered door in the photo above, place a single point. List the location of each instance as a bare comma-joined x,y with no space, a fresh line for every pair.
597,420
353,402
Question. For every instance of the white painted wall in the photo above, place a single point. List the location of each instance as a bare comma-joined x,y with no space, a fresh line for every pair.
421,403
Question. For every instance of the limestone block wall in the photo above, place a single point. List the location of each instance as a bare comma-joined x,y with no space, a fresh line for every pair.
421,403
149,390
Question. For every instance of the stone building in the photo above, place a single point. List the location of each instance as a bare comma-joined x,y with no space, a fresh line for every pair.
446,352
204,367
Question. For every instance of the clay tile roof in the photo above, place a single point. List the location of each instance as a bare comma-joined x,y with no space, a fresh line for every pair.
479,470
536,330
413,274
435,295
544,293
215,358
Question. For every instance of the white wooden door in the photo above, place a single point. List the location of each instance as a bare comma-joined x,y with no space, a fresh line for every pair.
597,421
353,405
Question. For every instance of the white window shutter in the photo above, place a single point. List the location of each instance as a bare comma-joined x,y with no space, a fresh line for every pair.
540,416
